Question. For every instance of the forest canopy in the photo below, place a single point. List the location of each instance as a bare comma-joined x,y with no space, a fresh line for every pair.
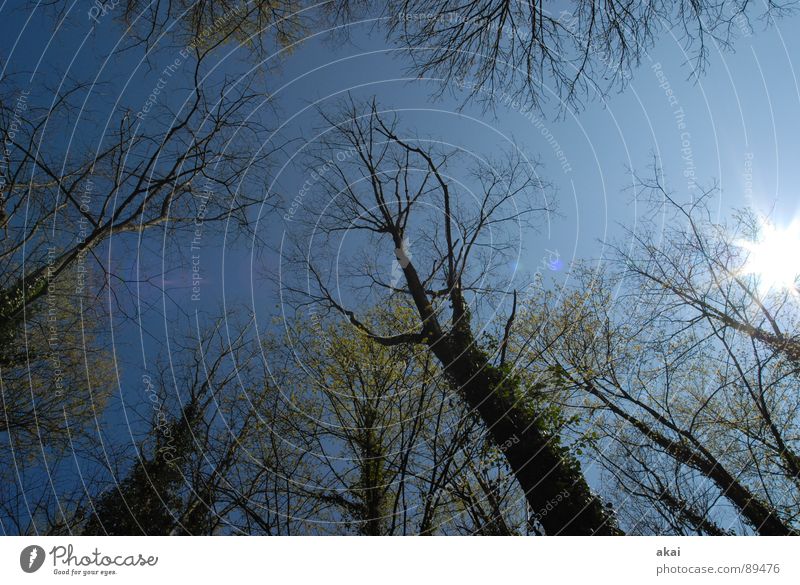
272,268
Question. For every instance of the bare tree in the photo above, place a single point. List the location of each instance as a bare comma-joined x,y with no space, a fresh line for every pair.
396,192
686,369
189,158
173,170
61,205
519,47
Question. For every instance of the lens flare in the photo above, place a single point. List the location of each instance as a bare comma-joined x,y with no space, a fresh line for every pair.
774,258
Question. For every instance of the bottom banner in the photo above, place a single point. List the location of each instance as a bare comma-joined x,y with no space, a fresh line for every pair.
352,560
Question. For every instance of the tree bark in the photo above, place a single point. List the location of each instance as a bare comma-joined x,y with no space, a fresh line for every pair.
555,489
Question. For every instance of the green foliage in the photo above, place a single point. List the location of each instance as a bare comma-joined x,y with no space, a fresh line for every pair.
54,378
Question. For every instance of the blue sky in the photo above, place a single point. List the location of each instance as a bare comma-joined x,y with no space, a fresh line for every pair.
733,125
735,120
736,124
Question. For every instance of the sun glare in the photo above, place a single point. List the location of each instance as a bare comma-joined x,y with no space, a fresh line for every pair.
774,259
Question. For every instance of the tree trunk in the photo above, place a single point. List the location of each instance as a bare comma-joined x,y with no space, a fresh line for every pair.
556,491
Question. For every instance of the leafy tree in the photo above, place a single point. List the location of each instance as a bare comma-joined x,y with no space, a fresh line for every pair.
205,416
392,446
